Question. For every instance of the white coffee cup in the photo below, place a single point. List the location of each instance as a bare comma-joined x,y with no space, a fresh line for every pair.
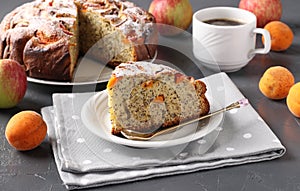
227,48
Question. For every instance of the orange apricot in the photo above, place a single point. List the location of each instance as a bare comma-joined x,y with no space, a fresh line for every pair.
25,130
276,82
293,100
112,81
281,35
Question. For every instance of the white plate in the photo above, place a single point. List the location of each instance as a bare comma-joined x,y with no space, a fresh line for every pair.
95,117
87,72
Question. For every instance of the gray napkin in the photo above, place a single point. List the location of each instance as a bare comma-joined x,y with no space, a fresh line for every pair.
85,160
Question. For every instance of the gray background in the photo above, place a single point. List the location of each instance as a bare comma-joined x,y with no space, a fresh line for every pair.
36,170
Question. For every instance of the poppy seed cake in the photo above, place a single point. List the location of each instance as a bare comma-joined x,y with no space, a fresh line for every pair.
118,31
46,36
144,96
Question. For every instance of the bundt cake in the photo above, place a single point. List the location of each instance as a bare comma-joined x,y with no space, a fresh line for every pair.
46,36
144,96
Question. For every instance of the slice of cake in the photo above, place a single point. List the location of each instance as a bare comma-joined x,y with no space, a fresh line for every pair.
143,96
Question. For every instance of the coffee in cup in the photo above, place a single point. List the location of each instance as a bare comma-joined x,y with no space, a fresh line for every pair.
224,38
223,22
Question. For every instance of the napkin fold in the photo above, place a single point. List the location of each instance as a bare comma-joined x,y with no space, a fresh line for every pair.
84,160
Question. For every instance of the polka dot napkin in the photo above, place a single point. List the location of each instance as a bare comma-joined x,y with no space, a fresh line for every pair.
85,160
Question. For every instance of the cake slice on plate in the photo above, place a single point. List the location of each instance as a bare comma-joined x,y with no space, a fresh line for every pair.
143,96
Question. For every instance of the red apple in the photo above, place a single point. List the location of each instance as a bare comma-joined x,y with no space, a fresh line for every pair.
13,83
172,16
265,10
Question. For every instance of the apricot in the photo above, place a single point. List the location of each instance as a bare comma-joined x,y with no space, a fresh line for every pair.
26,130
293,100
112,81
276,82
281,35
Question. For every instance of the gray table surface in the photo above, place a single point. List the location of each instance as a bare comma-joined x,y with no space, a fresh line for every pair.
36,169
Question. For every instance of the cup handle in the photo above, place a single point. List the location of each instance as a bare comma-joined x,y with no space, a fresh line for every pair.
267,42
